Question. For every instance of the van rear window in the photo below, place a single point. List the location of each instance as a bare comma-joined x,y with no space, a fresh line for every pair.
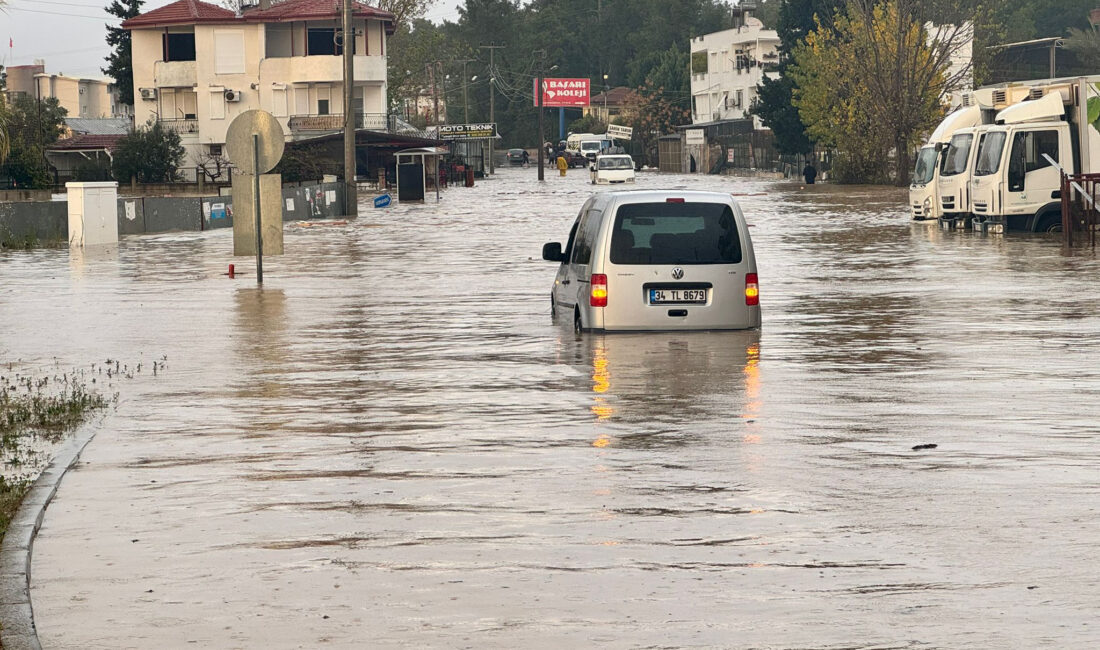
675,233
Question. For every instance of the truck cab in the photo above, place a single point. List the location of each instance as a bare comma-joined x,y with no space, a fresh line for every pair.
953,184
924,198
1015,186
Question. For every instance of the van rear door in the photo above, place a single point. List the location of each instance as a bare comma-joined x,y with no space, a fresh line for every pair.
679,264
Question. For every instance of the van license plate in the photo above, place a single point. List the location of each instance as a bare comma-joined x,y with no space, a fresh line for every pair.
663,296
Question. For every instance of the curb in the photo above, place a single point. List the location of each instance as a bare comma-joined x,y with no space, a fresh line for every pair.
16,615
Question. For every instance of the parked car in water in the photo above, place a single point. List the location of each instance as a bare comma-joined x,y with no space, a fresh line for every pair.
657,260
517,156
612,169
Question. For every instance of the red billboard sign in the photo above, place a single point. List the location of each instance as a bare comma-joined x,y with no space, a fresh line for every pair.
564,92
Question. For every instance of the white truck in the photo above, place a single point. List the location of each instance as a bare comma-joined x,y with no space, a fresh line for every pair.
923,191
1014,185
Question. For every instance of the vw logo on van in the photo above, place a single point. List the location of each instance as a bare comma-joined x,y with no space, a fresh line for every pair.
677,273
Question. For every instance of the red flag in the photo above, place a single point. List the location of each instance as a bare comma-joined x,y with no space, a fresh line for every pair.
11,43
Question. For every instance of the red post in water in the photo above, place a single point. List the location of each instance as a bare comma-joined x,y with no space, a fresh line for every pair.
230,270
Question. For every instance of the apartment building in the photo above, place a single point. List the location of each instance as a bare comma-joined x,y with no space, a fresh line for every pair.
80,97
198,65
726,68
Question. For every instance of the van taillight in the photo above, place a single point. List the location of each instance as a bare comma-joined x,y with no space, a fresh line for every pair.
752,289
599,290
678,200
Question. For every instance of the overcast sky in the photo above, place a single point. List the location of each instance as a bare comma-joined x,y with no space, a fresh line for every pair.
70,34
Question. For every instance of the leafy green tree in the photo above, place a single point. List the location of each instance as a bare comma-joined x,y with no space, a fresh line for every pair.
1086,45
775,107
151,155
33,126
119,61
872,84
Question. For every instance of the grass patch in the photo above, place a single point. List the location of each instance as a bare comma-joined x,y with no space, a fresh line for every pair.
35,413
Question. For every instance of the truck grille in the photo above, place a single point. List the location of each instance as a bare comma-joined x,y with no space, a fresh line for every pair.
980,206
948,202
917,210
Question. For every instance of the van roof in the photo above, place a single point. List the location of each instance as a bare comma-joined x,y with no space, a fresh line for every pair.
651,196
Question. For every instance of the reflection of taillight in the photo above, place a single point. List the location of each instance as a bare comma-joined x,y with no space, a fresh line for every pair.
599,290
752,289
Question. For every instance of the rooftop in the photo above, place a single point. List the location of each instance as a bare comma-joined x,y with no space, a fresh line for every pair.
194,12
84,142
182,12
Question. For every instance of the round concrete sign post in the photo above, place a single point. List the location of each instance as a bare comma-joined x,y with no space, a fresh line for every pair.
255,145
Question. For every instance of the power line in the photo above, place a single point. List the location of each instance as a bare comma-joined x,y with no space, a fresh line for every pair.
67,15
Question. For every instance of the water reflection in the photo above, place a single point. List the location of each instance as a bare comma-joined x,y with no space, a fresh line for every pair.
658,380
261,335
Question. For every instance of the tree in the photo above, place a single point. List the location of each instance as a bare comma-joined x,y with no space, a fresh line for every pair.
1086,45
651,113
874,83
32,126
151,155
775,97
119,61
404,11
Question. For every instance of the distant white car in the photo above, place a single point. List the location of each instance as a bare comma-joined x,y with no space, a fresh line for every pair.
610,169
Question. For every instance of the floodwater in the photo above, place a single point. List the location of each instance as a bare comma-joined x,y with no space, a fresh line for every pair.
391,445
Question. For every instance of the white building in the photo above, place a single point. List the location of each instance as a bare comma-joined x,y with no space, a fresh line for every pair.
727,66
197,66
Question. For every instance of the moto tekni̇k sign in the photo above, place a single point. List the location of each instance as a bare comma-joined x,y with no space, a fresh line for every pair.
564,92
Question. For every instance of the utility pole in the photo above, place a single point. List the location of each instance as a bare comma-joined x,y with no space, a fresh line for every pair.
538,94
465,94
492,114
351,198
435,95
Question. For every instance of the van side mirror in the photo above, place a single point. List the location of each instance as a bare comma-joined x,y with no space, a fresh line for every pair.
552,252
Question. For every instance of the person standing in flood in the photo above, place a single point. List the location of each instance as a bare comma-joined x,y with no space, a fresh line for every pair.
809,173
562,164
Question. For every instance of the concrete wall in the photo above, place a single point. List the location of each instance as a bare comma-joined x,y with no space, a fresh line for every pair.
33,222
48,220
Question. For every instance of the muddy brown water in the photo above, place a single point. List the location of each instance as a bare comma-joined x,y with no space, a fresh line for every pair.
391,444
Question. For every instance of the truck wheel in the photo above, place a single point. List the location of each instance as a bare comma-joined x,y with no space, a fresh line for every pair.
577,327
1050,223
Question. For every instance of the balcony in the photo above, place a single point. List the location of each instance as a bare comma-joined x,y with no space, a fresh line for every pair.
177,74
319,69
335,122
182,127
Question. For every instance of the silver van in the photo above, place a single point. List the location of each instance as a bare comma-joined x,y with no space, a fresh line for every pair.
657,260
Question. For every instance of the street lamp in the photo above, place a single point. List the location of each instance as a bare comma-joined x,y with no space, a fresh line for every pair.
606,117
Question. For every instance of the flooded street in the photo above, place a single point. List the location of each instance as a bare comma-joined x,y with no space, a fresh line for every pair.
391,445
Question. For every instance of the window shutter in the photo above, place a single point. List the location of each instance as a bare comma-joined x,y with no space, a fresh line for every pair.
229,51
217,103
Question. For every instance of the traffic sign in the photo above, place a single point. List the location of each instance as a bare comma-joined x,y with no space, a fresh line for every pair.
619,132
238,141
382,201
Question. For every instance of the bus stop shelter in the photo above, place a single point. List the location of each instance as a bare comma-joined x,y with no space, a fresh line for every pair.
417,170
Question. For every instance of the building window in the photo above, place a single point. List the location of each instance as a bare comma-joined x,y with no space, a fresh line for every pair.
179,47
229,52
215,150
322,107
321,41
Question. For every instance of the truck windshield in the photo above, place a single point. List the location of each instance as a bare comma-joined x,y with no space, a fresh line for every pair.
616,163
592,145
926,165
958,152
989,154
